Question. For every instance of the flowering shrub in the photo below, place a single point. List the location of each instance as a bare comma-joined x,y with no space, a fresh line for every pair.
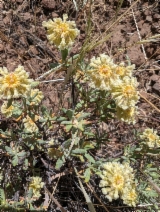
37,135
118,182
61,32
102,74
14,84
151,138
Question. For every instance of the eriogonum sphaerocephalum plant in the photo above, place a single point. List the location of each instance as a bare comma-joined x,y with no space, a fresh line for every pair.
125,92
69,132
116,180
14,84
61,33
36,184
104,74
151,138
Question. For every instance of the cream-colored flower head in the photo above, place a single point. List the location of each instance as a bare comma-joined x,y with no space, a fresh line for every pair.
128,115
102,72
36,184
29,125
14,84
7,111
36,96
125,93
60,32
129,196
122,70
115,177
151,138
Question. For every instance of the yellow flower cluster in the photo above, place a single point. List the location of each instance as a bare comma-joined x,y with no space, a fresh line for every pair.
14,84
7,110
127,115
36,184
118,182
151,138
29,125
104,74
125,93
60,32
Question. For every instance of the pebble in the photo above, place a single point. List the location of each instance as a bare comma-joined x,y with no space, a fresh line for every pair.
1,47
48,4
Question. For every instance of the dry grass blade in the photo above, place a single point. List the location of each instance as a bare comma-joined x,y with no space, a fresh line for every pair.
122,15
89,186
50,71
149,102
119,7
88,47
55,201
148,59
89,203
154,38
75,4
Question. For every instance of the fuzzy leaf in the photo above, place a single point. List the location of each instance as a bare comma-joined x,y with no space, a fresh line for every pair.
61,119
21,154
79,151
59,163
15,160
88,145
87,175
81,158
2,196
68,127
80,126
82,116
9,150
34,84
64,54
70,113
66,122
90,158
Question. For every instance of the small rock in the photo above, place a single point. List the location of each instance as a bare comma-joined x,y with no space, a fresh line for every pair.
19,1
156,87
54,15
149,18
158,57
33,50
154,77
140,24
156,16
6,20
26,16
48,4
1,47
1,4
